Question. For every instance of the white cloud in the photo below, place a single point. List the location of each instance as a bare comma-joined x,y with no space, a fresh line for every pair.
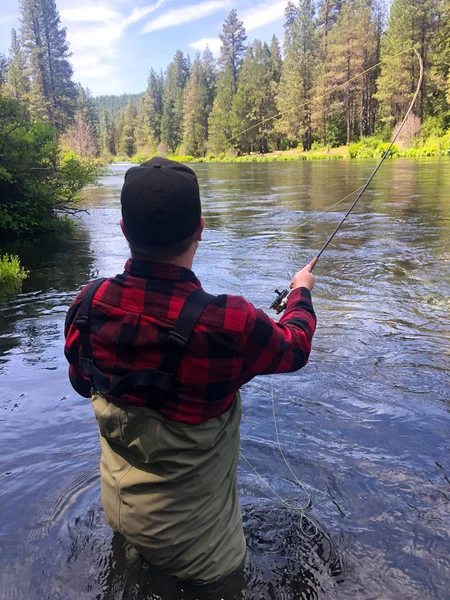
213,43
185,15
94,32
263,14
139,13
88,13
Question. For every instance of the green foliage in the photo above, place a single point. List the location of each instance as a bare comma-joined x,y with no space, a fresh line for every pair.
233,38
37,180
12,274
127,140
371,147
196,110
53,94
172,117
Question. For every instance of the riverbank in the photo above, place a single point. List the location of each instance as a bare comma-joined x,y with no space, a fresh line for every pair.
364,149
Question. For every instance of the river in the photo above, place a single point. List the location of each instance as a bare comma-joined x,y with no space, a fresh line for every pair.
365,425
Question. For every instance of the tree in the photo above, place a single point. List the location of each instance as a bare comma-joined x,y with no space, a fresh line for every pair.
53,93
85,104
220,130
106,141
290,14
275,61
37,180
18,78
149,114
253,103
81,137
410,23
232,51
328,14
352,45
196,111
172,118
296,83
3,72
127,139
208,65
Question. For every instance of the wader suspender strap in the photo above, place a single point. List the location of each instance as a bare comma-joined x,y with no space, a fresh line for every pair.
175,344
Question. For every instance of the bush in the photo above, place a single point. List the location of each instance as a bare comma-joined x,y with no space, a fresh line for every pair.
371,147
12,274
38,181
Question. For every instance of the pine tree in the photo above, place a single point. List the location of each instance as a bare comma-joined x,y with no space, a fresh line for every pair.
442,60
107,144
275,61
232,37
172,118
85,104
118,127
290,14
149,115
127,140
328,14
410,23
53,93
352,49
253,103
220,130
196,111
3,73
296,83
209,70
18,80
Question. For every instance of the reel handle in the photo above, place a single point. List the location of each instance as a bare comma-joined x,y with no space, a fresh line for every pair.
280,302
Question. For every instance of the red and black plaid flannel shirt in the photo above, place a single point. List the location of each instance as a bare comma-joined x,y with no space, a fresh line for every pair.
232,342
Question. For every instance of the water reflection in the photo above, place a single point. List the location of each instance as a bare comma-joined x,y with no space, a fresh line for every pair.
364,425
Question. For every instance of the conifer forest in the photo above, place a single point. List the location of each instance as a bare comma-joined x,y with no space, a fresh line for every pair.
255,97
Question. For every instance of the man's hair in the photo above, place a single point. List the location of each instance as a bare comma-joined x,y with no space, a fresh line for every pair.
161,253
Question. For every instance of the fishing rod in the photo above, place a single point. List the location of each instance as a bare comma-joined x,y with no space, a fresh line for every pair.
280,302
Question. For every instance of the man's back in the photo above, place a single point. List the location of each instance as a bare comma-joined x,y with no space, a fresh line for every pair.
233,342
167,403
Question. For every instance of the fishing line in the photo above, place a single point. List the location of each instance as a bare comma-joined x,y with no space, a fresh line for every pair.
290,503
286,501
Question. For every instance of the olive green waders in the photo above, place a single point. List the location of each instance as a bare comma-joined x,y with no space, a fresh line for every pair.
171,488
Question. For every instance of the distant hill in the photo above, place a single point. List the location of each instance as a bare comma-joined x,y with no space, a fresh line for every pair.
113,105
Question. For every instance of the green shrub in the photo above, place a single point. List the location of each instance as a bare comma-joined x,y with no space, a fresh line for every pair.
38,182
12,274
371,147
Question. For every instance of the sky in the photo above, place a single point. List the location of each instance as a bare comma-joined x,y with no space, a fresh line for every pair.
114,43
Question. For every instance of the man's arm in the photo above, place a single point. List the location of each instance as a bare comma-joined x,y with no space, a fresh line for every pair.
271,347
78,379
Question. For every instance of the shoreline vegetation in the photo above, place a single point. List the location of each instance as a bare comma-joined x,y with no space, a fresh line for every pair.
12,275
365,148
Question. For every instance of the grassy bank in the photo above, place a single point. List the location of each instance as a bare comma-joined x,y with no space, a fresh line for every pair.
370,147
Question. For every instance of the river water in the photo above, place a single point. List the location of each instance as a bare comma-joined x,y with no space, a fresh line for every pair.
365,425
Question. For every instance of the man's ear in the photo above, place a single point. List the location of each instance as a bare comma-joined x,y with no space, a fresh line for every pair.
122,227
200,229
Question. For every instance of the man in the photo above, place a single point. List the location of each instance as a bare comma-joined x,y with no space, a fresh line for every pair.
163,362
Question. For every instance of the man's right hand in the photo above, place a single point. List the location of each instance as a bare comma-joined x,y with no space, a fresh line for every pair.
304,278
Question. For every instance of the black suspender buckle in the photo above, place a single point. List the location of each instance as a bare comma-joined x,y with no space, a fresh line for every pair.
82,323
177,340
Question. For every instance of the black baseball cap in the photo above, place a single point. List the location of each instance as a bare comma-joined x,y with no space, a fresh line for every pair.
160,202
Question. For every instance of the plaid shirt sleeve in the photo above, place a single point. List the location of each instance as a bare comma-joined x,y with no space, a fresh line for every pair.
78,379
279,347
